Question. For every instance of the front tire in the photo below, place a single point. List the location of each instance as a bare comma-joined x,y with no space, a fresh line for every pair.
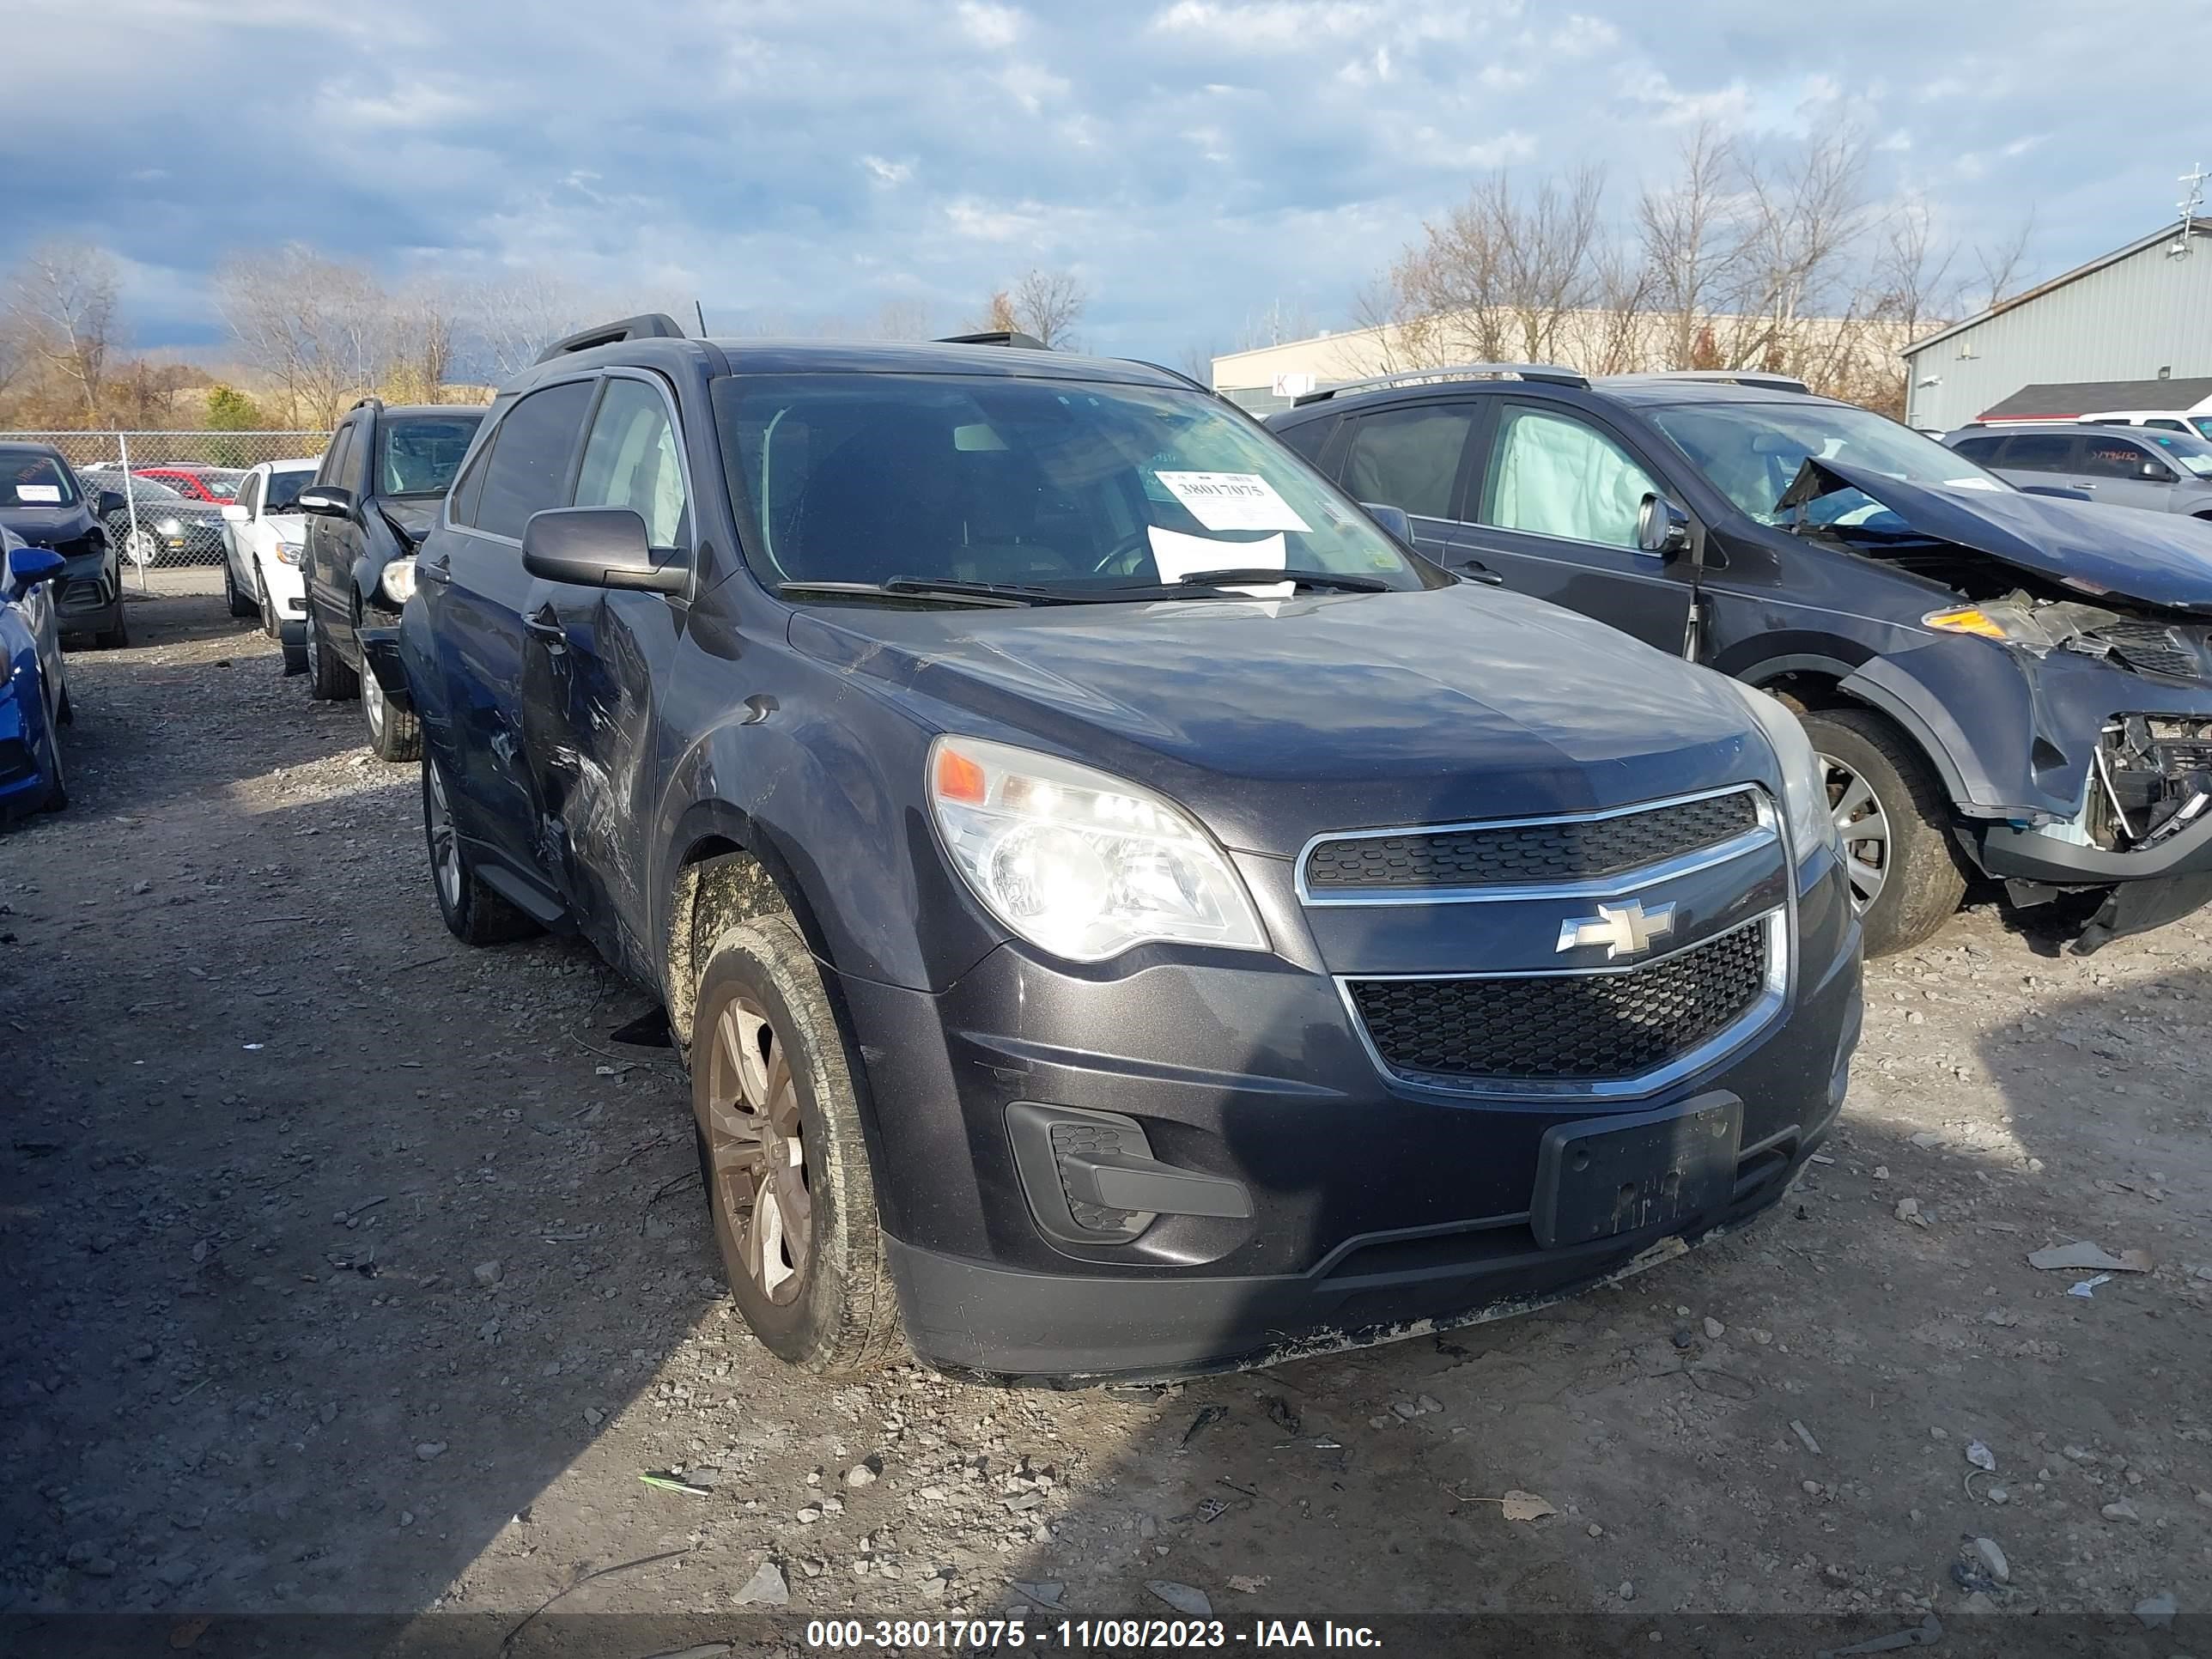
329,680
240,605
118,637
472,913
788,1184
57,796
1895,823
394,734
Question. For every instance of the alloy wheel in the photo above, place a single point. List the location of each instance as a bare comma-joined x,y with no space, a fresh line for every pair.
141,546
1863,825
445,845
756,1150
372,701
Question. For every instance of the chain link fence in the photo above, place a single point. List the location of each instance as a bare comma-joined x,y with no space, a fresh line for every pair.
164,492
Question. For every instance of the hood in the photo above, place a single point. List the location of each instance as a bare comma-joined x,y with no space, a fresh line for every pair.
1278,720
411,516
2101,552
48,527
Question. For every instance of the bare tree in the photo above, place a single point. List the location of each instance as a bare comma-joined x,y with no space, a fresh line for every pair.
425,320
2000,264
1801,216
1047,305
509,320
1196,360
1911,273
1688,235
1276,324
1500,276
62,302
1618,340
319,329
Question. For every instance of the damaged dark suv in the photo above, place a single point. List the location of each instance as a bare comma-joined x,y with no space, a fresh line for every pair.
1121,912
1999,680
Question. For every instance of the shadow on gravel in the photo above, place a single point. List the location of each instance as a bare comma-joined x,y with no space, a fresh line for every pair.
329,1243
1775,1422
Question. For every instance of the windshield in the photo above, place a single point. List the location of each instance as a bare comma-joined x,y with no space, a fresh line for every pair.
30,479
2193,455
2203,424
284,488
1750,452
418,454
1044,483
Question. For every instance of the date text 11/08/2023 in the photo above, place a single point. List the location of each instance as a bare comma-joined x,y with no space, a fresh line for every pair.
1080,1635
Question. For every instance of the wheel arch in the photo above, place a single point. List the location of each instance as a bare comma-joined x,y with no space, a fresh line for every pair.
1813,680
726,869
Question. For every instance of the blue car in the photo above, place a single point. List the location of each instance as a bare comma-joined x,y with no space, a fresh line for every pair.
34,697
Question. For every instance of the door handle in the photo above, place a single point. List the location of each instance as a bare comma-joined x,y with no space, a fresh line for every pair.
440,571
545,624
2083,484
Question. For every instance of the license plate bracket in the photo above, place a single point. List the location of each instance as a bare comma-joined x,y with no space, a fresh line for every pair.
1605,1175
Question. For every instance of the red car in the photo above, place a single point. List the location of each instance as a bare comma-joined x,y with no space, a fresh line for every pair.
217,485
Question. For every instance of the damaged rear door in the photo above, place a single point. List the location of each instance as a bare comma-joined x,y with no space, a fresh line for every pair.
590,659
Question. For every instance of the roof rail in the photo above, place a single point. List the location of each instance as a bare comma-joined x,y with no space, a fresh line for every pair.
649,325
370,401
997,336
1552,373
1771,379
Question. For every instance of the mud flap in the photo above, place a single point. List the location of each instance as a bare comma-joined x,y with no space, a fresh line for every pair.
2137,907
379,655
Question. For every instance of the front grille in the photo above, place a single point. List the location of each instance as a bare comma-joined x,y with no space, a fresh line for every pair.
1593,1027
1072,1137
1524,854
2151,648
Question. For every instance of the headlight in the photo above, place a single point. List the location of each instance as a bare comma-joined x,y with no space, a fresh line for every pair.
398,580
1804,779
168,527
1079,862
288,552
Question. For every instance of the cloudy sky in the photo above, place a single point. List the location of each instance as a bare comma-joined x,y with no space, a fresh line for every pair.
786,160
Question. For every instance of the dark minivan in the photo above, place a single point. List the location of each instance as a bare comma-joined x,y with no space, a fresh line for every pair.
1999,682
1122,912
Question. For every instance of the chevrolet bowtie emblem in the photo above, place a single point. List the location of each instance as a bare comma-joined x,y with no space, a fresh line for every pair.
1624,930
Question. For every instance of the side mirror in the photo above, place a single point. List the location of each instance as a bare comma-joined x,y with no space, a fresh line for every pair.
325,502
233,512
108,503
596,547
1395,523
2156,471
29,565
1661,527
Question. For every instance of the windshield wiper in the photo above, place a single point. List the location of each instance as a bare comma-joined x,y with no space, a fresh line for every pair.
1240,576
949,591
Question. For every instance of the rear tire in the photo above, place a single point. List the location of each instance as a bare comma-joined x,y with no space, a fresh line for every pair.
788,1184
1895,822
117,638
329,680
57,796
472,913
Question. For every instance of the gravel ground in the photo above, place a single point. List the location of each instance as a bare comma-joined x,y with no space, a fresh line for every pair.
353,1270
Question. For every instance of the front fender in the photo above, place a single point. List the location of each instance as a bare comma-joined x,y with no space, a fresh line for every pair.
2015,736
830,801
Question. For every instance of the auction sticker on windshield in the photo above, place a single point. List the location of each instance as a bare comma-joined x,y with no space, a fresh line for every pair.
1232,500
50,495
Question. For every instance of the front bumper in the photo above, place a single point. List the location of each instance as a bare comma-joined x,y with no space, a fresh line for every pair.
88,595
2150,887
1377,1209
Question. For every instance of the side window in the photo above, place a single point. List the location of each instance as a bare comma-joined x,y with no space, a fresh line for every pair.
334,457
2114,458
2039,452
1552,475
528,470
2167,426
354,474
1409,458
1310,438
1983,450
249,496
630,460
468,489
